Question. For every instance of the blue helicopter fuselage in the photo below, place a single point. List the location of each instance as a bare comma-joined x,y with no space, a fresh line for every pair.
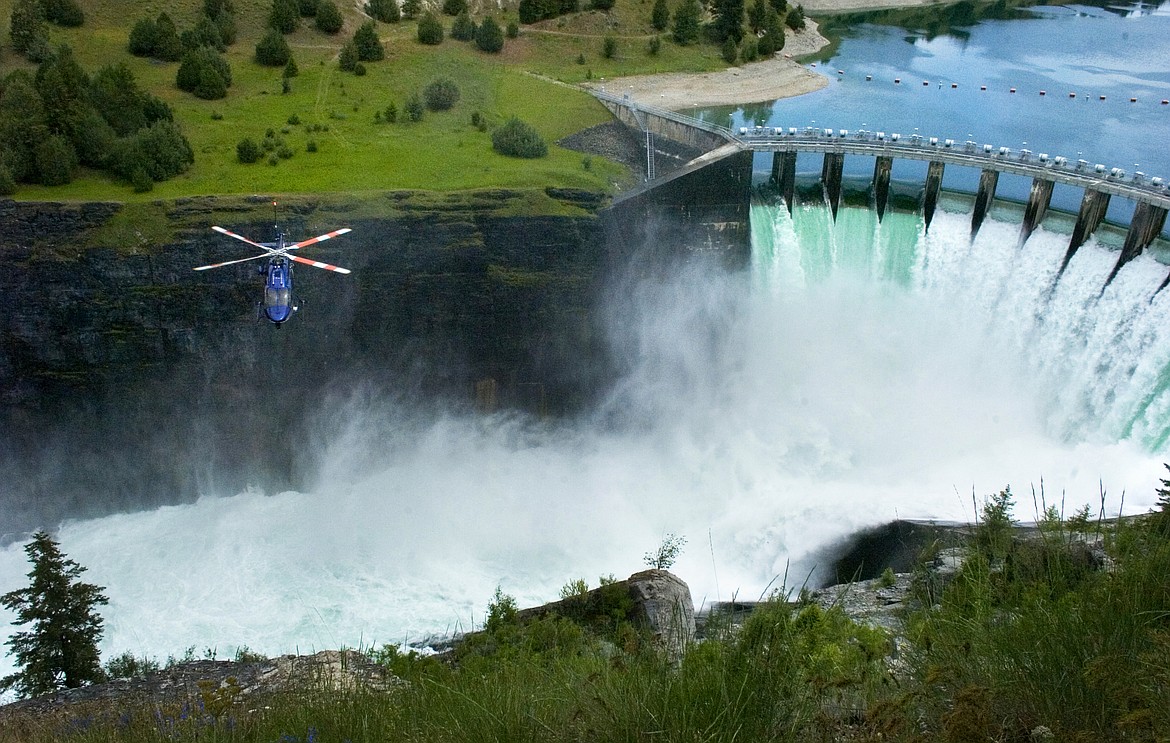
278,302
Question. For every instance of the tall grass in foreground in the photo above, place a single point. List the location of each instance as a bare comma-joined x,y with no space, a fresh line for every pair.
1033,640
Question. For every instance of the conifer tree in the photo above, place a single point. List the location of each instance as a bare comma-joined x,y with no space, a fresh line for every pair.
27,30
329,17
60,649
660,16
489,37
686,22
369,46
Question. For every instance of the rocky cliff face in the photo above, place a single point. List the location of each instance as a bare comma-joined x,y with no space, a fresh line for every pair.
125,377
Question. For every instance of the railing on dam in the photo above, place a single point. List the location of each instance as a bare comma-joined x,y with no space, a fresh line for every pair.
1115,181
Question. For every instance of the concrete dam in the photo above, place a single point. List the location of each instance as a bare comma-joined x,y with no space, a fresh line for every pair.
709,195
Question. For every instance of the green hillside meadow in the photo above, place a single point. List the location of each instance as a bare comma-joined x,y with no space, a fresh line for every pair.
442,152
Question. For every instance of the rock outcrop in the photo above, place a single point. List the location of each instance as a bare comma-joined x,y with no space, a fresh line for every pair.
656,600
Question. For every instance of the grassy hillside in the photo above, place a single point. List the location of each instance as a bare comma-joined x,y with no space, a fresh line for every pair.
337,110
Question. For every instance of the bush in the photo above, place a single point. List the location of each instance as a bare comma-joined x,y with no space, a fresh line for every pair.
513,29
390,115
385,11
454,7
463,28
430,31
609,47
441,94
369,46
795,18
205,33
143,38
308,8
63,13
284,16
55,160
654,46
247,151
191,78
730,50
160,148
489,37
518,139
167,46
686,22
273,50
411,8
27,26
414,107
126,666
329,18
290,69
660,16
7,184
347,60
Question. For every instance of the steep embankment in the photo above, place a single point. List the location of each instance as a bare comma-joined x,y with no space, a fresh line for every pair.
111,344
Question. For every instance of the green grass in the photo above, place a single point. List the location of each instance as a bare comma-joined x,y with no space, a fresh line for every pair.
443,152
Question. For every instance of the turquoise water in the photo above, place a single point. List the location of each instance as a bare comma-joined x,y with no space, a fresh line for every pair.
1097,363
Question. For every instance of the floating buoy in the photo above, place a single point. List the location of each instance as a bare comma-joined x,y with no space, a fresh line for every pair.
1013,90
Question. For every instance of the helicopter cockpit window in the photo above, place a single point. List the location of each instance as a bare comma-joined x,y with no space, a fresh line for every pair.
277,297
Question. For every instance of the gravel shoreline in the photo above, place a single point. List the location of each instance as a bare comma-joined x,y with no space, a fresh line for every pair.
755,82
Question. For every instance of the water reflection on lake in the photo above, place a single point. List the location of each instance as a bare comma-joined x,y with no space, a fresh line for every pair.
949,72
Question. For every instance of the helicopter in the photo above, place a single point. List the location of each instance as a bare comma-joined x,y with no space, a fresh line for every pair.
278,303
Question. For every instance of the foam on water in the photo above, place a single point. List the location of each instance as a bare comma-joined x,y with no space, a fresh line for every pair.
859,372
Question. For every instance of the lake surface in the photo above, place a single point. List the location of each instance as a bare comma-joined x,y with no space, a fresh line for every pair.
1119,52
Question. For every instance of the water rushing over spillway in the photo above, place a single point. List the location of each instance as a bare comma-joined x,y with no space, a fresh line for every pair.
857,373
1096,364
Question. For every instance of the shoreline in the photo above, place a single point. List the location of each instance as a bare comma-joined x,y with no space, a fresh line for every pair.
754,82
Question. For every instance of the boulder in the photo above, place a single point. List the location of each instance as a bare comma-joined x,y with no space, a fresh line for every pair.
656,600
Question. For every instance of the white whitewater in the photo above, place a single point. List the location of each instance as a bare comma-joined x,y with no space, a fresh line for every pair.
861,372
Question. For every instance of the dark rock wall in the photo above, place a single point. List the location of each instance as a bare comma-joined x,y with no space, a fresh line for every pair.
128,380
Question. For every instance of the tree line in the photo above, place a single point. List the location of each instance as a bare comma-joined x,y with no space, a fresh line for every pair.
60,118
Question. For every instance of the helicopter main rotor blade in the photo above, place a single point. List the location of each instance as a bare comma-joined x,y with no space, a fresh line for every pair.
319,239
228,263
319,264
241,237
